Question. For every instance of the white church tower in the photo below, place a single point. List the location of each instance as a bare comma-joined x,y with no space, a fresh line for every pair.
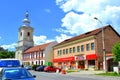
25,38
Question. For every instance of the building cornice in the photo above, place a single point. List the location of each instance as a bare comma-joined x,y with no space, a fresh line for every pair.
74,42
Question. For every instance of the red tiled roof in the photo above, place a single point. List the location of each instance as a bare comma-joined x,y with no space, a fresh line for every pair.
37,48
90,33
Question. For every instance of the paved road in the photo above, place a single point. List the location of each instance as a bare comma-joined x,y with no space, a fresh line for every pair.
71,76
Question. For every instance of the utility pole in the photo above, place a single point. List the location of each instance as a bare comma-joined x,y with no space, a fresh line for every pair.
103,43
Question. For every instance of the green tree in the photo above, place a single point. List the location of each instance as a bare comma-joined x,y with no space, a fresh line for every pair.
116,52
4,53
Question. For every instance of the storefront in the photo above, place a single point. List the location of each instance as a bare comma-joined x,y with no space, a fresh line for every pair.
80,61
77,62
65,63
91,60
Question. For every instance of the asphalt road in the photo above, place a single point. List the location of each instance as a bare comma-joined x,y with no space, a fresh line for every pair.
69,76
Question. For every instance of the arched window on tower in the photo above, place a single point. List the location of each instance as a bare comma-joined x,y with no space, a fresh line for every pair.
20,33
28,34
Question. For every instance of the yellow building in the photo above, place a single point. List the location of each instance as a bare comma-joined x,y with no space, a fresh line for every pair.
86,51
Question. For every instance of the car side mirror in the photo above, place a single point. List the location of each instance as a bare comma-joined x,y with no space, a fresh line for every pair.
34,76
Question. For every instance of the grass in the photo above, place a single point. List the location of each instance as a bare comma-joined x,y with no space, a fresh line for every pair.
69,71
109,74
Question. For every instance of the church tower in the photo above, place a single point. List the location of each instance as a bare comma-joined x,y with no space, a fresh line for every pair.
25,38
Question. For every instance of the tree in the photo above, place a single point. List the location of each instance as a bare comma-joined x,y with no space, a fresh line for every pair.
116,52
4,53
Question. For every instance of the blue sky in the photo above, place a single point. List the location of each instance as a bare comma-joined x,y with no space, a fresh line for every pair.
55,20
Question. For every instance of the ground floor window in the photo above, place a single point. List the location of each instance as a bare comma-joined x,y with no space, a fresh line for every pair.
91,64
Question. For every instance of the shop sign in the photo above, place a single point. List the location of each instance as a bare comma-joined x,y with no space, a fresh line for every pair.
79,58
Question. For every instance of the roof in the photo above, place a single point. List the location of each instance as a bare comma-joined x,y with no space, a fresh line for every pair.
87,34
37,48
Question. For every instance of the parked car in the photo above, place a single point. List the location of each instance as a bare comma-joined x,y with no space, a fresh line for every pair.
17,73
40,68
28,67
51,69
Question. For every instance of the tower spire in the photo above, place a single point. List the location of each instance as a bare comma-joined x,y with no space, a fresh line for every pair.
26,21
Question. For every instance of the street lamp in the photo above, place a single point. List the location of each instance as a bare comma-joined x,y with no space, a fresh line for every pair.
103,43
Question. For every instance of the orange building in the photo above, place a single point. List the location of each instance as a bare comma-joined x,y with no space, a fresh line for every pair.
85,51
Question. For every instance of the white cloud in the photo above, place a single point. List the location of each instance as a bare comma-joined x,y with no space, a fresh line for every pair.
75,22
62,37
41,39
10,47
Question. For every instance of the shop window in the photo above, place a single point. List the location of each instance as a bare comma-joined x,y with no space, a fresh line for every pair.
91,62
82,48
78,48
73,49
87,47
92,46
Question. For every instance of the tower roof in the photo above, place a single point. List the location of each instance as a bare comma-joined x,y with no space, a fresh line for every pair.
26,21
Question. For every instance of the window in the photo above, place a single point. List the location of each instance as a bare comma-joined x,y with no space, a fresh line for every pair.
82,48
70,50
63,51
60,52
28,33
78,48
20,33
66,51
42,54
92,46
87,47
91,62
73,49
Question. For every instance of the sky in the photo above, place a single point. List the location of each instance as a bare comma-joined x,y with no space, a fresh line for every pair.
55,20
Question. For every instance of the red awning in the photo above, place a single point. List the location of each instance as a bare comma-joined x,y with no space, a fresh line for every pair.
63,59
91,57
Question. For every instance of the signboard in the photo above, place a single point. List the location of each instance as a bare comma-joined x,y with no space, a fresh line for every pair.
77,58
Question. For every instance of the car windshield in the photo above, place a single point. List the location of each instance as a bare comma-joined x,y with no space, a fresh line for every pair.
17,73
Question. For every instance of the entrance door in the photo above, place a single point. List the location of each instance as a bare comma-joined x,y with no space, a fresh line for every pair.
81,64
111,64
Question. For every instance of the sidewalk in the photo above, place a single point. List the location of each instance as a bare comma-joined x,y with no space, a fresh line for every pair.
86,72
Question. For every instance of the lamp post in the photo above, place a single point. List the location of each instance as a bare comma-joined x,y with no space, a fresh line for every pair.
103,44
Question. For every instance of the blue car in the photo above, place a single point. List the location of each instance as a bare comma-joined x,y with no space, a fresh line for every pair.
40,68
15,74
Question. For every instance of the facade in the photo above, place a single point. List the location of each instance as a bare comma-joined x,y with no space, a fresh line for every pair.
25,38
86,51
39,55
